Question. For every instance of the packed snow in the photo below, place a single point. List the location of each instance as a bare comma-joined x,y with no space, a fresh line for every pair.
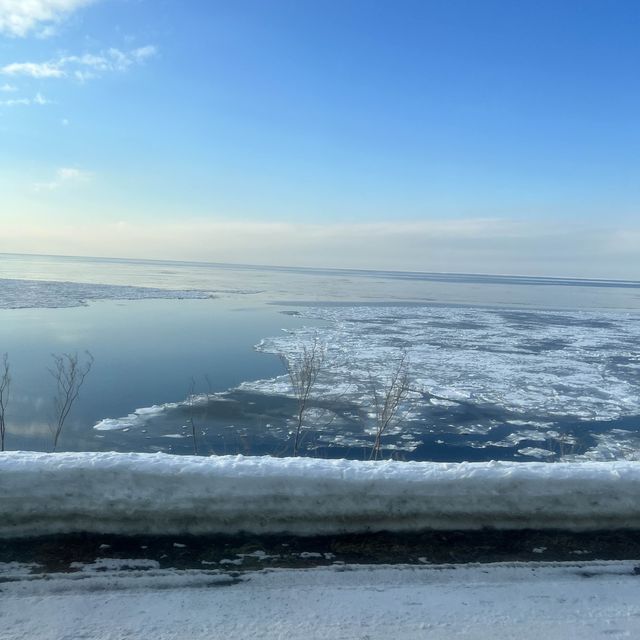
484,602
163,494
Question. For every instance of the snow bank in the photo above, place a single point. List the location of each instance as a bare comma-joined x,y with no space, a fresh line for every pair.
139,493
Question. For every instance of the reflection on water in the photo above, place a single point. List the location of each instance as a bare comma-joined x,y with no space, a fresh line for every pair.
145,353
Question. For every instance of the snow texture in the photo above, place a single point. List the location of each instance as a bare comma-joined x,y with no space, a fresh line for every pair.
26,294
163,494
483,602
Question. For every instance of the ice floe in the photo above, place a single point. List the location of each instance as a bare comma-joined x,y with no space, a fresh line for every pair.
22,294
583,364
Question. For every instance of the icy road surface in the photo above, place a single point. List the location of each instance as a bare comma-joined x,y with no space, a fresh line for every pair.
525,601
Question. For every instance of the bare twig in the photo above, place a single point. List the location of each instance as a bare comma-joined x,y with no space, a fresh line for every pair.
69,375
207,379
303,370
190,398
387,399
5,384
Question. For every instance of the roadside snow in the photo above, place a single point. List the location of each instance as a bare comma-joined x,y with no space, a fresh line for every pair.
135,493
524,601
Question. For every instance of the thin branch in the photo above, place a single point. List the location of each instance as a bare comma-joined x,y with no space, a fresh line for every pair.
190,398
69,375
303,370
5,385
387,400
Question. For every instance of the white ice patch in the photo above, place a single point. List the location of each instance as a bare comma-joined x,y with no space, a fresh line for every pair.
161,494
140,417
27,294
536,452
115,564
616,444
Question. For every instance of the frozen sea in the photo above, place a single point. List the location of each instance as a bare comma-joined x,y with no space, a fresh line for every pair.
501,367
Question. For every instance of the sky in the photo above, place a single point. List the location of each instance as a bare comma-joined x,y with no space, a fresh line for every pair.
430,135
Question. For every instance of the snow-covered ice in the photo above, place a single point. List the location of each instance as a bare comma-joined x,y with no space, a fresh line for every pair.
483,602
562,363
22,294
140,417
163,494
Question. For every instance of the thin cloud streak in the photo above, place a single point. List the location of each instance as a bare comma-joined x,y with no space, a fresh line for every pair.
38,99
33,70
84,67
64,176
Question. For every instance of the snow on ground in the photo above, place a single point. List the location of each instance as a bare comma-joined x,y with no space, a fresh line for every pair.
23,294
503,601
158,493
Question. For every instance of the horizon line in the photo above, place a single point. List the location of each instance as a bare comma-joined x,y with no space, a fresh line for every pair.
369,271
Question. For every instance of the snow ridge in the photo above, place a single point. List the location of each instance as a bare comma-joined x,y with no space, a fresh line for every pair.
136,493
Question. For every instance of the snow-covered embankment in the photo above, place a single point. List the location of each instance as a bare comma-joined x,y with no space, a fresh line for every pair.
158,493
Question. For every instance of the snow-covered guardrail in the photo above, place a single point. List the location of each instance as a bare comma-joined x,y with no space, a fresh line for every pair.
157,493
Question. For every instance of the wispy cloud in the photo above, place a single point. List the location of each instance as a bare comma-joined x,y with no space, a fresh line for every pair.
15,102
38,99
20,18
82,67
33,69
8,88
64,176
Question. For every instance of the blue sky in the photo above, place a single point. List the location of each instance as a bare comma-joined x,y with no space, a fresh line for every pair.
429,135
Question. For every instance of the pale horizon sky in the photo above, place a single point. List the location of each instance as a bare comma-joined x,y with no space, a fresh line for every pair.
422,135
